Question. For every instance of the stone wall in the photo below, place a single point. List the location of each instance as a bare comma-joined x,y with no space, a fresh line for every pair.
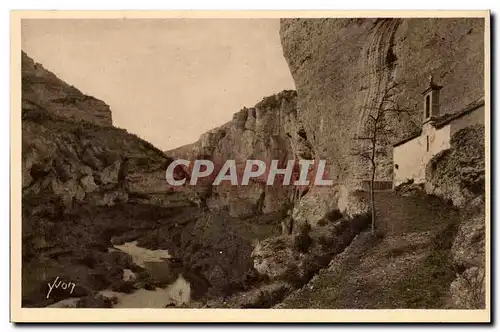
412,156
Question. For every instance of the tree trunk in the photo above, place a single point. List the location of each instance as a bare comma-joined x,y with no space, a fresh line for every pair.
372,200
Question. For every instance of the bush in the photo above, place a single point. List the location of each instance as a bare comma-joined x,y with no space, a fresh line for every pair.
359,223
302,239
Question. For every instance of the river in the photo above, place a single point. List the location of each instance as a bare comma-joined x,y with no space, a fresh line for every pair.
175,294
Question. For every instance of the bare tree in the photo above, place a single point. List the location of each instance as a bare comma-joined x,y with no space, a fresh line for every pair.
377,133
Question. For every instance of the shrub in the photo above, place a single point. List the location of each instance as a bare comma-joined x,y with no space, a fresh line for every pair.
302,239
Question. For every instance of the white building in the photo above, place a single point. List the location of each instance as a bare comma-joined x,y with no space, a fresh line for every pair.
411,155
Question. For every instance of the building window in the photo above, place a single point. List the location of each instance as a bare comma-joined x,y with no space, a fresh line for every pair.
427,143
427,106
431,100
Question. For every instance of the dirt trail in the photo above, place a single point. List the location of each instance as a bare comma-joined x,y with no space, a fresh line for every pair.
408,268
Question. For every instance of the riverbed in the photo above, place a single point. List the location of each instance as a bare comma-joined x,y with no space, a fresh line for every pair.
175,294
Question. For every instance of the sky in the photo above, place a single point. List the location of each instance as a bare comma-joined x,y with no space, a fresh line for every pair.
166,80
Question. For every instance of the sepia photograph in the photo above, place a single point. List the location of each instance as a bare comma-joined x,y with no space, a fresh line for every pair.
290,162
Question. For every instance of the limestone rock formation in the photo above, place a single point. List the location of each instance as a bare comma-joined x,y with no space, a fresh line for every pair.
320,202
268,131
458,174
42,89
298,257
84,163
469,245
468,290
341,67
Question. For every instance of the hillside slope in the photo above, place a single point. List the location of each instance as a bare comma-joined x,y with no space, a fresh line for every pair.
83,182
42,88
87,187
432,254
410,267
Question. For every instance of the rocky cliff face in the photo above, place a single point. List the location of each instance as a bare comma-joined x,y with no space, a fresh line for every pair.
458,175
42,89
342,67
323,220
268,131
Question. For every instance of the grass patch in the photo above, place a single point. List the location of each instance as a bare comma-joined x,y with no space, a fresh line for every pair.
429,283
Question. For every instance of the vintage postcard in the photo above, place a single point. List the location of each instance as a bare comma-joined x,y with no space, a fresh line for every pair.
250,166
